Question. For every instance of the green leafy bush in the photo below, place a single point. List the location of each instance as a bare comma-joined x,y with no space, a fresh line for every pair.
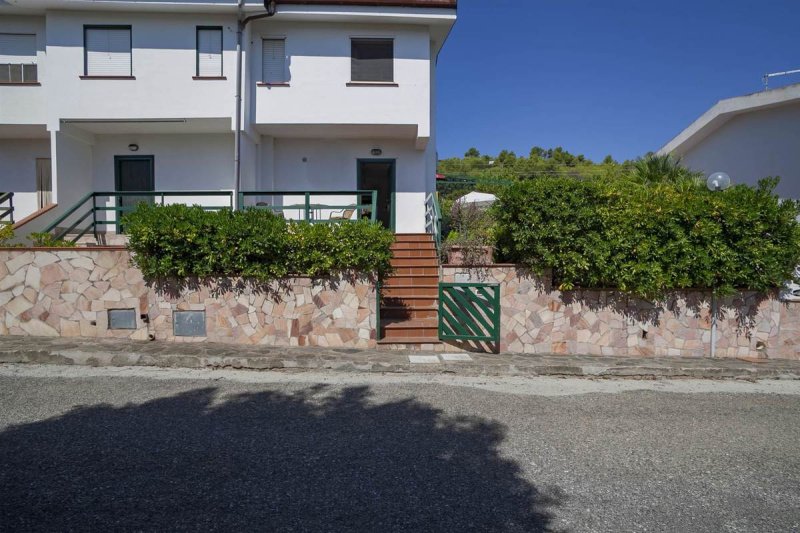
647,238
46,240
178,241
6,234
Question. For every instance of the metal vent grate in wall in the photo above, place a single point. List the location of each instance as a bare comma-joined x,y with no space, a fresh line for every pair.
189,323
121,319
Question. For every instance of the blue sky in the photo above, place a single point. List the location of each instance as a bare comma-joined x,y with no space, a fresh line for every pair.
599,77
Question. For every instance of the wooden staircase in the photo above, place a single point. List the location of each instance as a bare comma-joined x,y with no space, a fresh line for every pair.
409,296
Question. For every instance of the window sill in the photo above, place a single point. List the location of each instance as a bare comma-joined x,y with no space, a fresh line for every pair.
372,84
212,78
265,84
21,83
107,77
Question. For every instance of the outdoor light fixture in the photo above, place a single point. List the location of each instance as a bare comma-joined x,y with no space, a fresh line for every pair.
376,152
133,147
716,182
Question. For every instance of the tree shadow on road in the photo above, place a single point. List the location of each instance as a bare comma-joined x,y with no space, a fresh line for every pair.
314,460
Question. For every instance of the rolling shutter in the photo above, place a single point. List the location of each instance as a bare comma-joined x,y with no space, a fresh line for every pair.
17,58
209,52
108,52
273,54
372,60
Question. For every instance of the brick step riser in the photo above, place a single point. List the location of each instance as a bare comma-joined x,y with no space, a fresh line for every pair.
406,237
415,281
399,335
422,246
411,262
409,301
414,271
414,253
408,313
409,292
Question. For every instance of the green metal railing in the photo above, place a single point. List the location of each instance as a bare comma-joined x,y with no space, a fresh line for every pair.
6,207
469,312
433,218
89,210
307,206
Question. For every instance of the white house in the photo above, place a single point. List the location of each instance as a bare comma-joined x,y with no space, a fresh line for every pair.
749,137
133,95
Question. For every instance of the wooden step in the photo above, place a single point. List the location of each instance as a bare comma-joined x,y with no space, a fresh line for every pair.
410,291
409,312
427,328
430,280
425,262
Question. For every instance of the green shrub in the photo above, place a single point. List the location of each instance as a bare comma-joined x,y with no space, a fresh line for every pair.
46,240
648,239
178,241
6,234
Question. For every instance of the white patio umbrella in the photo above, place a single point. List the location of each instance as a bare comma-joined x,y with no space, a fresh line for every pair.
480,199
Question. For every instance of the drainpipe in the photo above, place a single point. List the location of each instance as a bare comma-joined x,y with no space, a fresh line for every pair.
271,8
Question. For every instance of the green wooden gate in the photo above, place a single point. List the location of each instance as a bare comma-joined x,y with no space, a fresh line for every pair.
469,312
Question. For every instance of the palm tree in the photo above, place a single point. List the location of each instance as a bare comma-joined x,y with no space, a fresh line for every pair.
654,168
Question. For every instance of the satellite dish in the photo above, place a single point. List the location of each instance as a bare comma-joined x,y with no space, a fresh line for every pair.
718,181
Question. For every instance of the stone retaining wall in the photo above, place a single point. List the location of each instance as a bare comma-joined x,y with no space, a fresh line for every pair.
68,292
537,318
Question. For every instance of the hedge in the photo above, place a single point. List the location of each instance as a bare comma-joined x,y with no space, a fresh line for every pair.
179,242
648,239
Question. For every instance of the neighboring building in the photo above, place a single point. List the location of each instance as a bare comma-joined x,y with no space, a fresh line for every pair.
749,137
135,95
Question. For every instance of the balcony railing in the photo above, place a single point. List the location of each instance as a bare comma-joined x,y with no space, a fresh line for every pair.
314,206
6,207
98,210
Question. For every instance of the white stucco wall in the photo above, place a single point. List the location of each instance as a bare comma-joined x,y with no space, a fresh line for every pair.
18,171
164,61
333,165
25,104
319,69
753,146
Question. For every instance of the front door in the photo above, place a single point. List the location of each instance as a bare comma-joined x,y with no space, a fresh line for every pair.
379,175
133,173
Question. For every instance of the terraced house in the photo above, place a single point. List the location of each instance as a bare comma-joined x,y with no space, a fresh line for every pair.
320,110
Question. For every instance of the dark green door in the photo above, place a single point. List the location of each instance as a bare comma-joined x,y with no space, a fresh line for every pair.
379,175
133,173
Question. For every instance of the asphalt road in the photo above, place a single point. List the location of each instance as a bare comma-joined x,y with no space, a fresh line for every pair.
86,449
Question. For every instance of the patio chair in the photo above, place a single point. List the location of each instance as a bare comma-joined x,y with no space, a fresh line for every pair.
342,214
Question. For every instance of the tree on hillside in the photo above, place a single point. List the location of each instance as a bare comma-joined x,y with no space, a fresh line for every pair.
472,152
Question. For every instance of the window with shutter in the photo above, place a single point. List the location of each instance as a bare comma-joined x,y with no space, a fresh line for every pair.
209,52
107,51
273,56
18,58
372,60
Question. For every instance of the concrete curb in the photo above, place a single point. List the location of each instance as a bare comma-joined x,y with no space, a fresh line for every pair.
101,355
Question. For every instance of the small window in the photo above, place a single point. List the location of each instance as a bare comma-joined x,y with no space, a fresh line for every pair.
372,60
121,319
107,51
18,58
273,53
209,52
